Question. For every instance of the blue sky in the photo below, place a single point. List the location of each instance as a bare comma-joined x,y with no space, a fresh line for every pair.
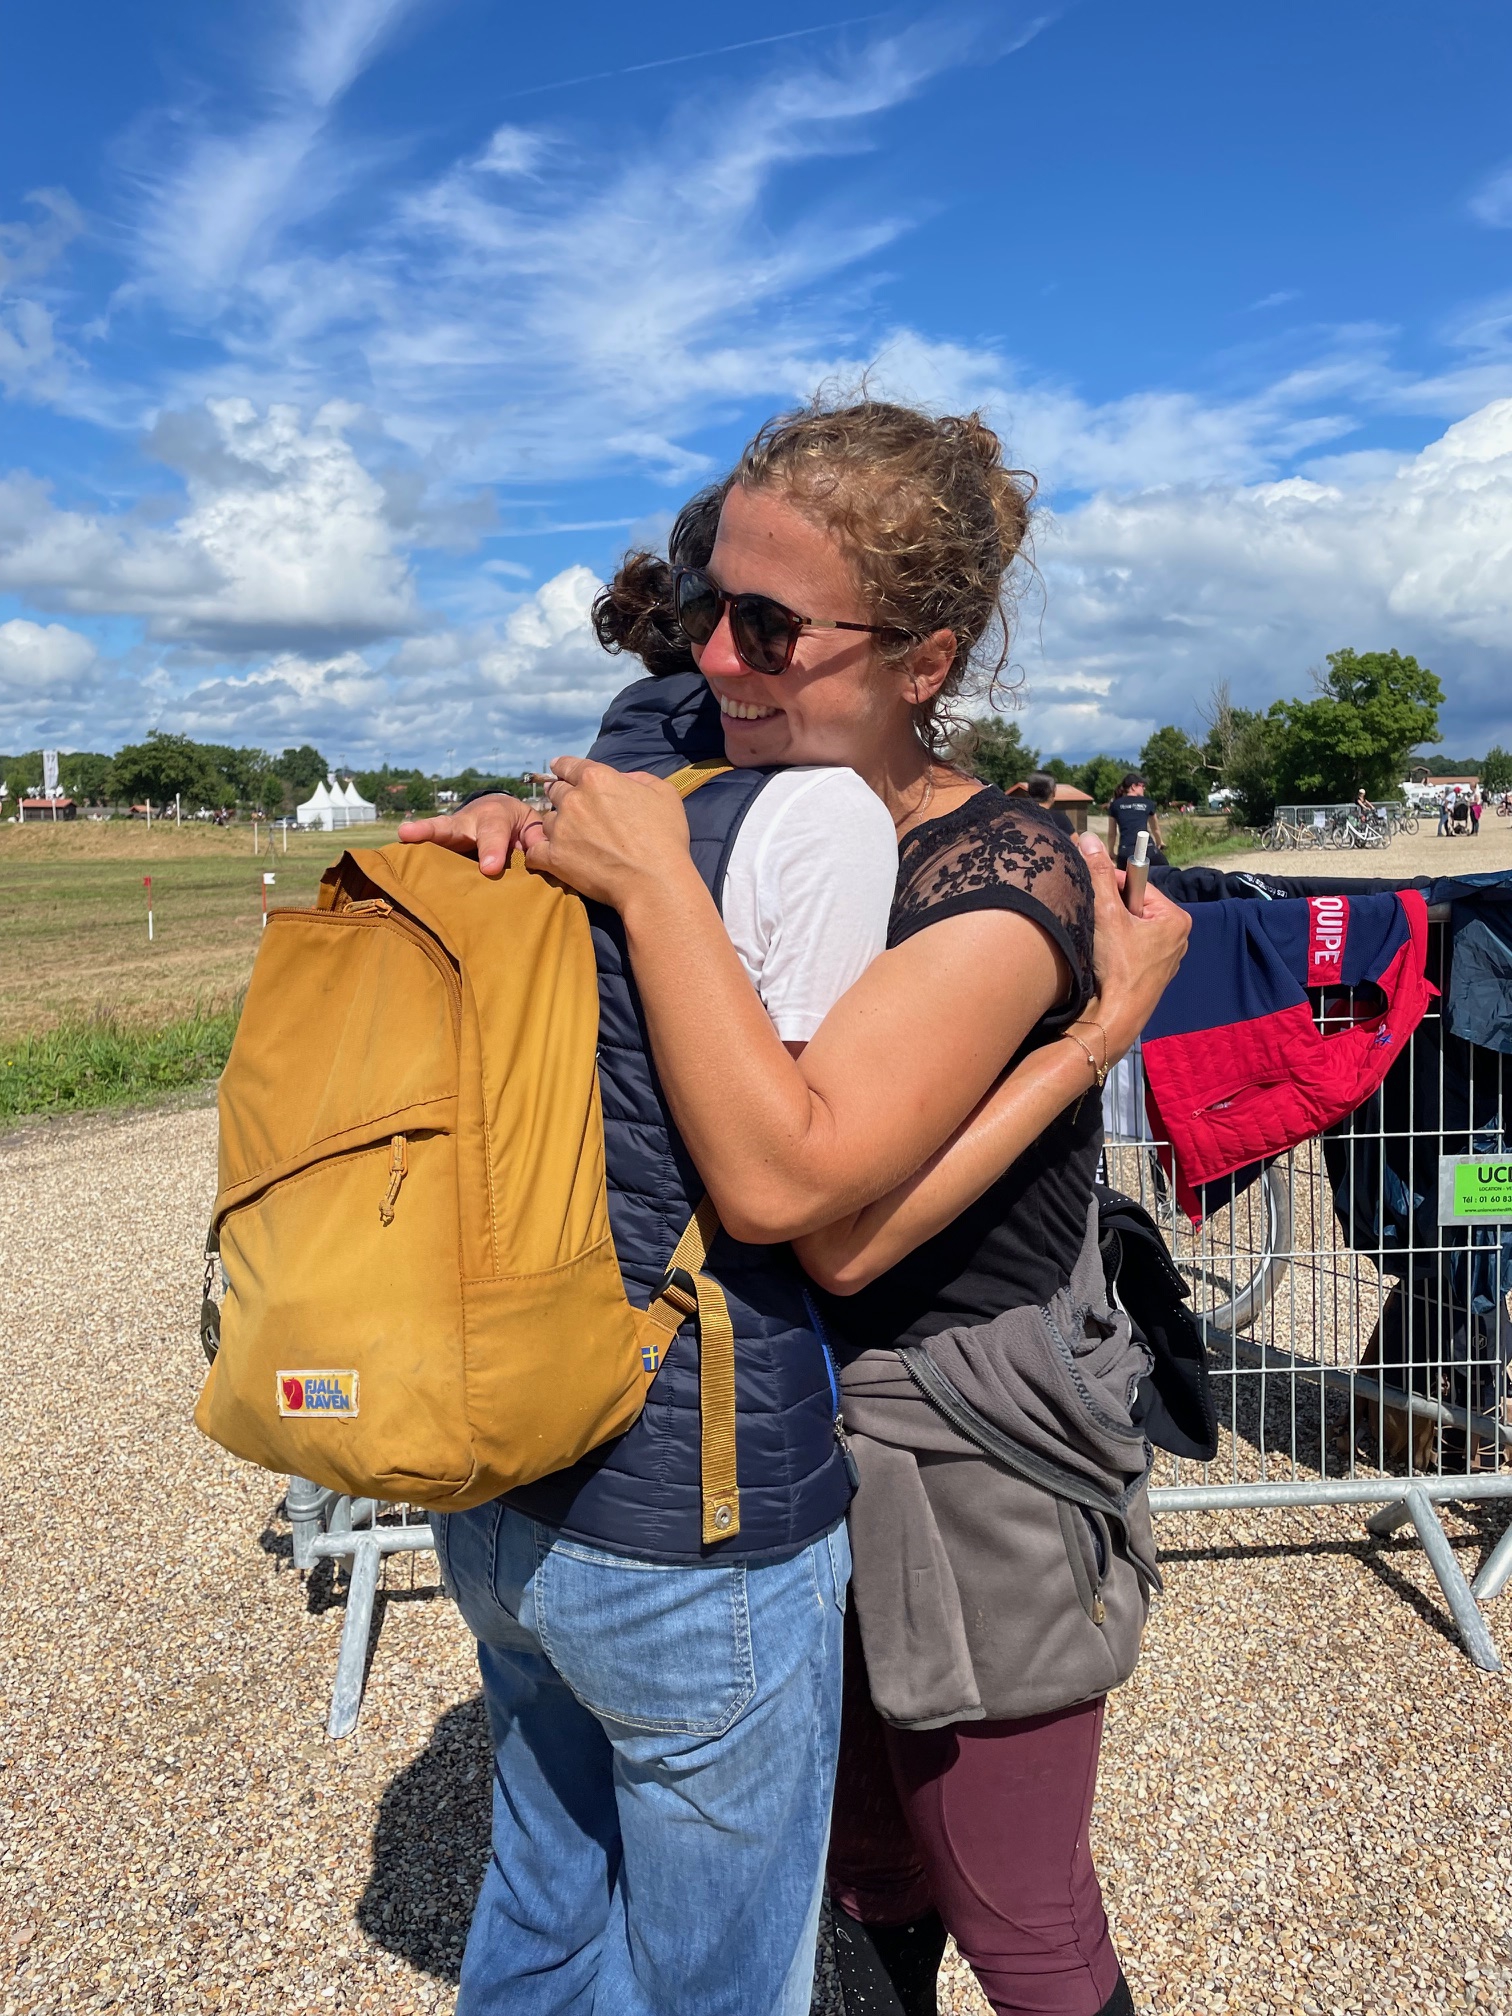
344,344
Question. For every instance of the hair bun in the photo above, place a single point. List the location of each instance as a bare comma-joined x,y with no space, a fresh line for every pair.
634,611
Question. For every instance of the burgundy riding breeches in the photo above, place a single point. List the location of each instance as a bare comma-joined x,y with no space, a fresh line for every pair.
988,1823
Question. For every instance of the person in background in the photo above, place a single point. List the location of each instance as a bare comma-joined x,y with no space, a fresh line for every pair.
1477,806
1041,790
1131,813
1443,825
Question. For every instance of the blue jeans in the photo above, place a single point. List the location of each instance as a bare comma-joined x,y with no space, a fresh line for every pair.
665,1741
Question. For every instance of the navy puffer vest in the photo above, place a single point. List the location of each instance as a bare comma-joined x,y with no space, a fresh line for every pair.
640,1494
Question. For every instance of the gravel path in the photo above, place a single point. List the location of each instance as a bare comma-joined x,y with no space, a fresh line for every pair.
1305,1797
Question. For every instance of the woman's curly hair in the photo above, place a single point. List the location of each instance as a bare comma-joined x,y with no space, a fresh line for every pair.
931,517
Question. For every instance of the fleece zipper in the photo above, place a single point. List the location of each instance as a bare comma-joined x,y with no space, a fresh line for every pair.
847,1454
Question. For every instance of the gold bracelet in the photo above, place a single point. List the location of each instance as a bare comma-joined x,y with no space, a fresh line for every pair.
1099,1071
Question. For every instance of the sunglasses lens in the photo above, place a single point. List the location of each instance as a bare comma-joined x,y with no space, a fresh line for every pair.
763,632
698,606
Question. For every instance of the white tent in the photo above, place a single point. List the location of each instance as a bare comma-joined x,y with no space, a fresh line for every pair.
332,805
358,810
316,810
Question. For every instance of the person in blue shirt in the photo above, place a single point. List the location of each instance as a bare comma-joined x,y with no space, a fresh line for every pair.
1130,813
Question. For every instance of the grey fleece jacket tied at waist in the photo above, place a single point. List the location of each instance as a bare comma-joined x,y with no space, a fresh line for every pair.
1001,1535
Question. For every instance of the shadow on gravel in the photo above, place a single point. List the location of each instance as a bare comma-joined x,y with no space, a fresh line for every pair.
430,1846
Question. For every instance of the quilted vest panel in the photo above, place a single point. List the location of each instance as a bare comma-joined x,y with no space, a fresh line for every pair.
640,1494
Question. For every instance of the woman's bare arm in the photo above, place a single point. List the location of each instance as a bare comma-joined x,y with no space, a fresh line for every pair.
1134,966
850,1253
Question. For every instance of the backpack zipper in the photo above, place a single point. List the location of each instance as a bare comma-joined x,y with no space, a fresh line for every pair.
398,1170
847,1454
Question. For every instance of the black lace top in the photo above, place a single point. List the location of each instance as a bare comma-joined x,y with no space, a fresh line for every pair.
1019,1241
999,853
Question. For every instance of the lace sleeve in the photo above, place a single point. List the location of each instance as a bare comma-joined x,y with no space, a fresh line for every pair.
999,853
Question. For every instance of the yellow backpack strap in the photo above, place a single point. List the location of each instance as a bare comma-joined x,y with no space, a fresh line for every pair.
686,781
688,1291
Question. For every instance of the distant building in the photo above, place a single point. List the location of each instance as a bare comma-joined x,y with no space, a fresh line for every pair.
49,808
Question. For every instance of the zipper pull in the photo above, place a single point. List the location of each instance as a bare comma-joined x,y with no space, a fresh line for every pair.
378,906
847,1455
398,1170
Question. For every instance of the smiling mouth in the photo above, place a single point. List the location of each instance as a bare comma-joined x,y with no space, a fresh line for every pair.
743,710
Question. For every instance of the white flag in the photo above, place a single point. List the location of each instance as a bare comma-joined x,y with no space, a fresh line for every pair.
269,880
49,773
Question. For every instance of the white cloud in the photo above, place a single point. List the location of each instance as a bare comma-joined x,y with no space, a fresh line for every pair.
47,674
514,692
218,208
285,538
34,655
530,687
1492,202
1157,595
512,150
34,364
523,315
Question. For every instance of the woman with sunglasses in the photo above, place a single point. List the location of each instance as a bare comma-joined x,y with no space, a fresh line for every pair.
860,557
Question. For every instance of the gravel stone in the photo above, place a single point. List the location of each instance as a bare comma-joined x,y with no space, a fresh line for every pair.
1304,1804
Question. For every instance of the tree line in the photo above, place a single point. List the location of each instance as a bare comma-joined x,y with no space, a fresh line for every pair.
215,777
1357,730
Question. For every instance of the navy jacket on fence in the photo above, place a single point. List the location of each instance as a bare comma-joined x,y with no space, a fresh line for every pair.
640,1494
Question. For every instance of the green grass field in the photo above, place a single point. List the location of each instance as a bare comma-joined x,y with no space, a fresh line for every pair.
91,1013
73,918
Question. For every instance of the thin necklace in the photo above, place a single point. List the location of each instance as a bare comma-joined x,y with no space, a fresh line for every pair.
924,803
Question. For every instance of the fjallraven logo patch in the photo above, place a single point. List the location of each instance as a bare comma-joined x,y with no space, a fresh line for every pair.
317,1393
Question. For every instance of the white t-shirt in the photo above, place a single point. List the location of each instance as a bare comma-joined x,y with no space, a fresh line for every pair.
808,890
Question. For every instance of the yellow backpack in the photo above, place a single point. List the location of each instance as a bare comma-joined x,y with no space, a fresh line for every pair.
422,1300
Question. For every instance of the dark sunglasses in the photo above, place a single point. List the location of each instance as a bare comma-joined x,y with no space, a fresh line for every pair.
765,633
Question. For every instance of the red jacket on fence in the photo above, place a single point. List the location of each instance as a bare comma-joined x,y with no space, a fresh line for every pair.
1236,1068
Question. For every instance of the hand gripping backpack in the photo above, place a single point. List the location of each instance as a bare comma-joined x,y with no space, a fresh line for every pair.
422,1300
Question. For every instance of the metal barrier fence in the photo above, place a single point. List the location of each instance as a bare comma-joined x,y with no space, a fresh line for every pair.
356,1533
1359,1337
1358,1330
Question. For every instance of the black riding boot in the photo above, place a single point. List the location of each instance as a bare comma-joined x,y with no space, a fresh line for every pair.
1120,2002
888,1970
